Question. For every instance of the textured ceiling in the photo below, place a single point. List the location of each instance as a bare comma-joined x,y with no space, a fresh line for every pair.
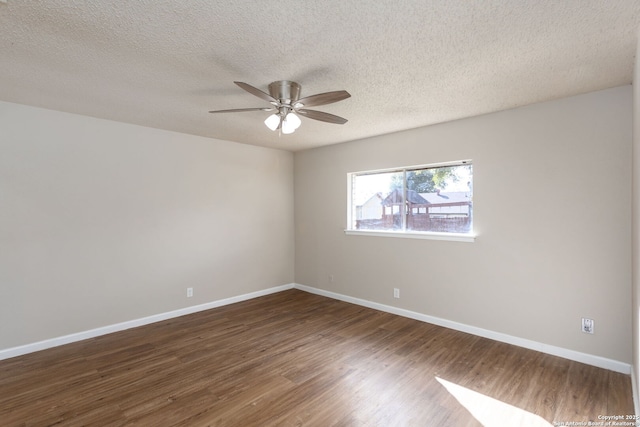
406,63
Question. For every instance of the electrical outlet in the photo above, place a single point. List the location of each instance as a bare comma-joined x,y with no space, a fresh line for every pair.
396,293
331,278
189,292
588,325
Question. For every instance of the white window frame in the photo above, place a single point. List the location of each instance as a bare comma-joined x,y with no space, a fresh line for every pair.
404,234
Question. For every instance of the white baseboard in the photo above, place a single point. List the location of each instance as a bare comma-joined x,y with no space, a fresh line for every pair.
66,339
600,362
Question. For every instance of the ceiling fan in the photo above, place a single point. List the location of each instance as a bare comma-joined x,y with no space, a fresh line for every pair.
284,96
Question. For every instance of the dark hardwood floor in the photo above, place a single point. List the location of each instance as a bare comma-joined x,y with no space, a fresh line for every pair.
297,359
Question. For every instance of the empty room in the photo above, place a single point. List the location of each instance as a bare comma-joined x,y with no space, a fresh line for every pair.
409,213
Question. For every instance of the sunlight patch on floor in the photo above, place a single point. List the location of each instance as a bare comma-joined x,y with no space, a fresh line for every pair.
491,412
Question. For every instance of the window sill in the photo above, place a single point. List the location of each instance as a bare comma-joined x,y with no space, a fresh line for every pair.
454,237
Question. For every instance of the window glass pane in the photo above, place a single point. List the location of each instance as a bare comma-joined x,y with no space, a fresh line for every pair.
377,201
440,199
419,199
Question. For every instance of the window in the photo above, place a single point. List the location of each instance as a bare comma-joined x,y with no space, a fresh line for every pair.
417,201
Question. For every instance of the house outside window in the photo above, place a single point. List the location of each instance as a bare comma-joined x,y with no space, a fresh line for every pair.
423,200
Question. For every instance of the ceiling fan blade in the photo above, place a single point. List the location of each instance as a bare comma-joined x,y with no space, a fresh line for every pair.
322,116
240,110
324,98
257,92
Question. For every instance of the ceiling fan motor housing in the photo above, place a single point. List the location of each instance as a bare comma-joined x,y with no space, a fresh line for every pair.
285,91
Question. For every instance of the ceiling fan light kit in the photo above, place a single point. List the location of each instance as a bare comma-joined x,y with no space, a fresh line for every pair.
273,121
290,123
284,96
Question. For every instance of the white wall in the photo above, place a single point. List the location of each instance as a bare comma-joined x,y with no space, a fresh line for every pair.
104,222
552,206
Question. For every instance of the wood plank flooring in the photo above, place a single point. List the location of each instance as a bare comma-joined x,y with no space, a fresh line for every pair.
297,359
